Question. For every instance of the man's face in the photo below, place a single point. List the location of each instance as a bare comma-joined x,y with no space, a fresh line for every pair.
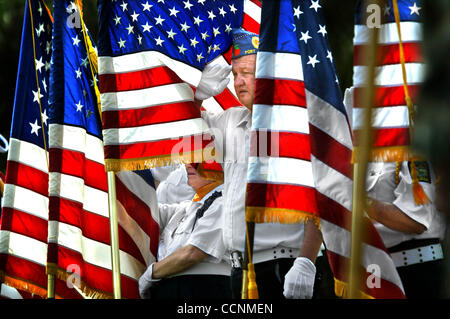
244,79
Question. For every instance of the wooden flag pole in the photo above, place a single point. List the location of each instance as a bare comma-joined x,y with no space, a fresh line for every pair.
114,229
361,160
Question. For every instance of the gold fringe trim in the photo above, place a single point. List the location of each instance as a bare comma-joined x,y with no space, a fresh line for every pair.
25,286
87,291
2,187
117,165
341,290
279,215
386,154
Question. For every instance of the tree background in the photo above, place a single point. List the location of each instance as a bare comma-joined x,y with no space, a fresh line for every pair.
338,16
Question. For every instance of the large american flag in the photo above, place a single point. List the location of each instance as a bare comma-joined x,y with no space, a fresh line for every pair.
305,172
24,221
79,236
391,121
152,54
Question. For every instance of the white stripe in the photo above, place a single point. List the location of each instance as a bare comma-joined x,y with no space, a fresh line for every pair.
26,200
146,60
389,75
253,10
328,119
371,255
279,66
9,292
155,132
332,183
73,188
138,99
285,118
139,187
76,139
140,238
23,247
280,170
94,252
411,32
383,117
211,105
28,154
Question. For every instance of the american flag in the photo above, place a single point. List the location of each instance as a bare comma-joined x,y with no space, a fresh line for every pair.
152,54
79,236
24,221
391,122
305,172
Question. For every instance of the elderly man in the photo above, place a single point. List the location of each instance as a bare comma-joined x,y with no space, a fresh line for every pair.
283,255
191,256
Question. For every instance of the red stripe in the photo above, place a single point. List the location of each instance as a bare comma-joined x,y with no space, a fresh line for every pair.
387,96
280,92
27,177
93,226
390,54
280,144
249,24
228,54
387,290
334,213
137,80
34,273
226,99
75,164
331,152
150,115
140,212
95,276
158,148
25,224
257,2
295,197
387,137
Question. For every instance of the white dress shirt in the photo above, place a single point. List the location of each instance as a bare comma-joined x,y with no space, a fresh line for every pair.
229,129
381,185
176,222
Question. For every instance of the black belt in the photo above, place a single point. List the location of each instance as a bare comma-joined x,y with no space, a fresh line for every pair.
414,243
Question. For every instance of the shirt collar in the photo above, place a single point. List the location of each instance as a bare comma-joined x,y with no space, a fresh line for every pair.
215,186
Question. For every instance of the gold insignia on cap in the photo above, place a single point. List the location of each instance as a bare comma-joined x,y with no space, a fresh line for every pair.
255,42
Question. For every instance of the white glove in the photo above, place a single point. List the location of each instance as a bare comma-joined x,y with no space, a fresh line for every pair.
146,282
299,280
213,81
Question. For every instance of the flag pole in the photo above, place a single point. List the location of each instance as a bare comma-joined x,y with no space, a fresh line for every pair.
361,159
114,230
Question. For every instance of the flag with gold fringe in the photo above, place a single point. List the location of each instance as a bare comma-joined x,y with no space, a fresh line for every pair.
301,147
398,76
151,58
79,229
24,220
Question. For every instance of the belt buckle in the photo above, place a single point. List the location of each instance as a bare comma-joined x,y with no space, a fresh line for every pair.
236,259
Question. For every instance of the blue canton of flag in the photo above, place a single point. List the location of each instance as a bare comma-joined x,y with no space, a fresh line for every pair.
191,31
409,10
318,67
73,100
32,93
